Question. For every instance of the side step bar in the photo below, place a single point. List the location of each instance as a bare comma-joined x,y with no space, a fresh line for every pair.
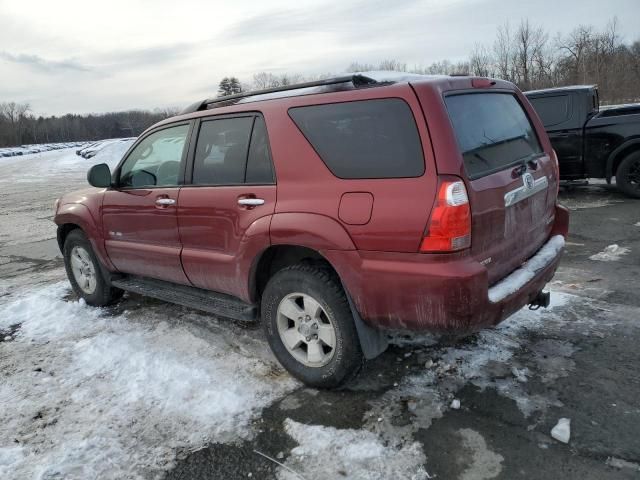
205,300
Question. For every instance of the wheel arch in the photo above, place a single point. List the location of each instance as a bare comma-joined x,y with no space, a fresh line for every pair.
276,257
78,216
619,154
63,232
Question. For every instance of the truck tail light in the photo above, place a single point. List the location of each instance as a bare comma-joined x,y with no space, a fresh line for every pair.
449,228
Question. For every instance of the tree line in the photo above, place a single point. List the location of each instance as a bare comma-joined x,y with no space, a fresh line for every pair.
19,126
525,54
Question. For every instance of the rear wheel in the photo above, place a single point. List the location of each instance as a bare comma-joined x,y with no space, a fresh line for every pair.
84,271
309,326
628,175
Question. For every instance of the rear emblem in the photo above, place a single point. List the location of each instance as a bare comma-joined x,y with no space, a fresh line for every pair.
528,181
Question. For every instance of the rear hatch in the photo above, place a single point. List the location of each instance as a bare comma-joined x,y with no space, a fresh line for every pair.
511,180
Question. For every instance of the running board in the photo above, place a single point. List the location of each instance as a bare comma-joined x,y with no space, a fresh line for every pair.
205,300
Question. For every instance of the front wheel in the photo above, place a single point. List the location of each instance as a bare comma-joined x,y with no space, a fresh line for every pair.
309,326
84,271
628,175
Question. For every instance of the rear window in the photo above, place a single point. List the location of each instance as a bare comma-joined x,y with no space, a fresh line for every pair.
552,110
363,139
492,130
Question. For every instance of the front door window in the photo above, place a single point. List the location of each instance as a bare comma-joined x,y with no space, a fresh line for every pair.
155,161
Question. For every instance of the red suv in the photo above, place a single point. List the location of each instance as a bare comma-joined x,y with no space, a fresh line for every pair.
333,210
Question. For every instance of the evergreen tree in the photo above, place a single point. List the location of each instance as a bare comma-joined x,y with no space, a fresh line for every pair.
235,85
225,88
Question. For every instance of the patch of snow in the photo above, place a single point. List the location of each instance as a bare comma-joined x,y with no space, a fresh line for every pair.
390,76
620,463
326,452
486,362
455,404
612,253
282,94
562,430
582,203
516,280
92,395
485,464
423,396
520,374
9,456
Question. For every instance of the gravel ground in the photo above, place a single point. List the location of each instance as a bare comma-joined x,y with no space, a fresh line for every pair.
576,360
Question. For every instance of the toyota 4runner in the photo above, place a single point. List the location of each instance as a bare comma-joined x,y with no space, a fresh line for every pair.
333,211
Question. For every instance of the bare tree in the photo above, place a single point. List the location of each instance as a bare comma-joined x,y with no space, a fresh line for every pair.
393,66
14,114
503,52
360,67
531,63
576,46
264,80
481,62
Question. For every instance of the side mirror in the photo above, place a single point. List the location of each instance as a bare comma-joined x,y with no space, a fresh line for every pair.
99,176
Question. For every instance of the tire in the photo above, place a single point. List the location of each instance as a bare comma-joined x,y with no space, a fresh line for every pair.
320,359
628,175
78,255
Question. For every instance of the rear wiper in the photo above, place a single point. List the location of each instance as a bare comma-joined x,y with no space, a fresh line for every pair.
512,139
476,154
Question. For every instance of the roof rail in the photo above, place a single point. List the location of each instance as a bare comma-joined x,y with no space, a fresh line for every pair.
357,80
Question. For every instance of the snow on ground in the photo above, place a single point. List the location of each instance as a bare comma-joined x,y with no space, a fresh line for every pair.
588,201
32,182
87,394
612,253
93,393
486,362
41,167
326,452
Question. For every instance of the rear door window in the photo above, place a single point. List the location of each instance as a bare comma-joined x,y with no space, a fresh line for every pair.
232,151
221,151
363,139
492,130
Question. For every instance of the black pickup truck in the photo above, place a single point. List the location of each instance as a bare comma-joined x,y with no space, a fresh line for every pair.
591,142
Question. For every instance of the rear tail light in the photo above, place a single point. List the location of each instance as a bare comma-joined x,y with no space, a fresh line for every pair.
449,228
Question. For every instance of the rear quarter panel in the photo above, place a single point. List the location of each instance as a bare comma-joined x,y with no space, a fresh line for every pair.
400,206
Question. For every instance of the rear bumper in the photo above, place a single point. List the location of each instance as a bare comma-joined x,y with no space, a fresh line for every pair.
442,292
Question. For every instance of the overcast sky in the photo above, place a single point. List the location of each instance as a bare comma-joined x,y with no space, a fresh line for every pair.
88,56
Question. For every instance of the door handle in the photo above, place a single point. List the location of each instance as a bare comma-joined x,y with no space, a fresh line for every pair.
164,202
250,202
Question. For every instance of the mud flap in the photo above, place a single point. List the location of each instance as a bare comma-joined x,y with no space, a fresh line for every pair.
372,341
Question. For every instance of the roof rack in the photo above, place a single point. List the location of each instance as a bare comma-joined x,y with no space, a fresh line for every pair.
356,80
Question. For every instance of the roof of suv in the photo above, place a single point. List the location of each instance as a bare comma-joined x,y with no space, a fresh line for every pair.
347,82
354,82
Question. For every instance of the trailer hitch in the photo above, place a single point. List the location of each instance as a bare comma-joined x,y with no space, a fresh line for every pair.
542,299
